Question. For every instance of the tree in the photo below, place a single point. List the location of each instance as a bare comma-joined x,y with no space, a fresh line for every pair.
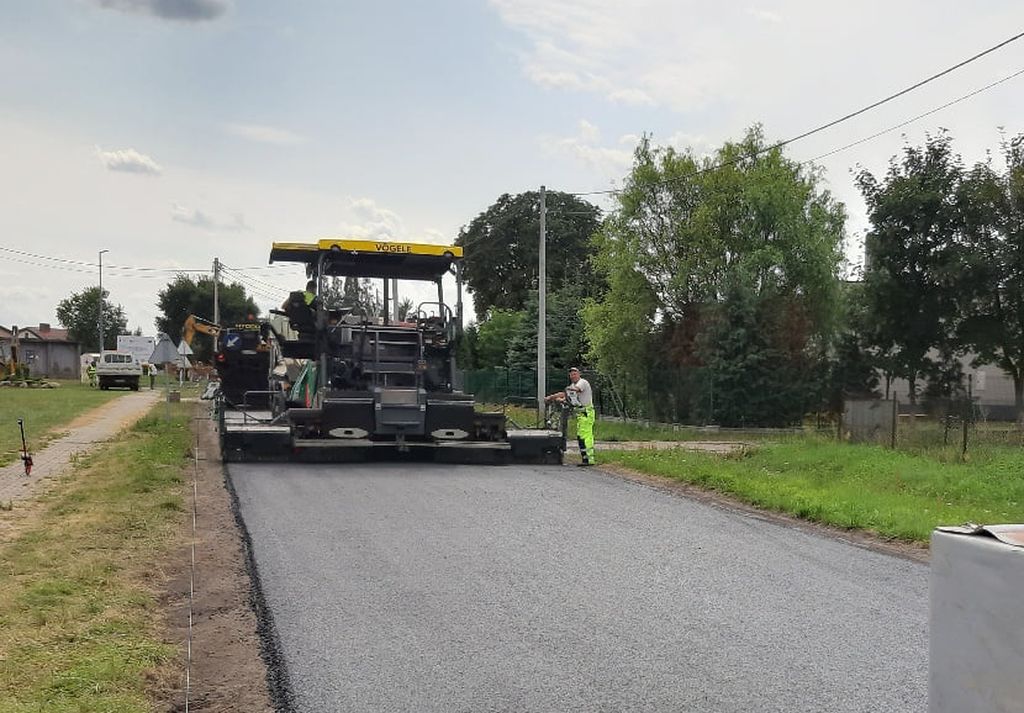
355,293
500,265
685,230
751,379
563,331
79,314
465,350
993,276
405,308
493,337
184,296
621,328
852,368
912,256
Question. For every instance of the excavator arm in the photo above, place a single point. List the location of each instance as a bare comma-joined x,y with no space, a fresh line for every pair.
197,324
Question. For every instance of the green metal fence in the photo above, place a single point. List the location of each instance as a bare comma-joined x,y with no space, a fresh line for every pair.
497,386
511,386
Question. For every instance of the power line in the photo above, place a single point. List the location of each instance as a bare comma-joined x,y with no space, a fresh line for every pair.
236,271
84,270
828,125
820,156
252,280
252,288
919,116
282,266
256,291
86,264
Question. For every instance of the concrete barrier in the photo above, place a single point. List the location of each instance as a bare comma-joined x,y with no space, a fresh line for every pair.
976,650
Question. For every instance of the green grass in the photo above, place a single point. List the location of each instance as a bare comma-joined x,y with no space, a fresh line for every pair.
619,431
79,620
44,411
896,495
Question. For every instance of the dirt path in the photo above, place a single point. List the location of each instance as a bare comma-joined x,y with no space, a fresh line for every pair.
80,436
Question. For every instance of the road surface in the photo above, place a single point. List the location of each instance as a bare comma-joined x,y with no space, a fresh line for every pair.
460,588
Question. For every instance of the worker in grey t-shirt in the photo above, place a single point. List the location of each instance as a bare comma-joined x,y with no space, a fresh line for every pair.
581,397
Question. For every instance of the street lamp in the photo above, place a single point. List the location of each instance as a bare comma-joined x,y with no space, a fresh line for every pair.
101,299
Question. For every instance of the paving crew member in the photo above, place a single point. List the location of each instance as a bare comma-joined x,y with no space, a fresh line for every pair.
309,294
91,372
581,397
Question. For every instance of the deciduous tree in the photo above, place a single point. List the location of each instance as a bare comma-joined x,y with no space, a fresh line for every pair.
913,257
993,276
79,314
563,331
500,266
184,296
686,228
493,337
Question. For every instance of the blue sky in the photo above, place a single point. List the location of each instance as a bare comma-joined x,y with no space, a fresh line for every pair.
174,131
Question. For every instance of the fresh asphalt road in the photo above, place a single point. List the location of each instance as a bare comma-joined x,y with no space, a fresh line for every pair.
460,588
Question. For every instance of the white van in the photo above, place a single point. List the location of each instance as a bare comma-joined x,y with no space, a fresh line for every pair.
118,369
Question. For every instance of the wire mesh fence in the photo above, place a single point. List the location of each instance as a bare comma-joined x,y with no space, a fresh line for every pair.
678,405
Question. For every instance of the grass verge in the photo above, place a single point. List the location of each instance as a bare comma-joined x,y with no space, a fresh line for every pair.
79,622
623,431
44,410
892,494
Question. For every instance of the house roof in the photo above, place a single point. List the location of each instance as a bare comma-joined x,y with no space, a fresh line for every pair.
42,333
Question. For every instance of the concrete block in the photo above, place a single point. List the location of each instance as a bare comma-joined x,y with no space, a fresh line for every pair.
976,650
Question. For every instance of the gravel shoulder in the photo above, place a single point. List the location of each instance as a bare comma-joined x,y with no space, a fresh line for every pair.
228,672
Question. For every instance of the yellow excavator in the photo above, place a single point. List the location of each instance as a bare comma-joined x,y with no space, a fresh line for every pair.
195,324
10,364
242,356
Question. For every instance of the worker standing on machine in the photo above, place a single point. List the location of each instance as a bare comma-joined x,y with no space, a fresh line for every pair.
581,398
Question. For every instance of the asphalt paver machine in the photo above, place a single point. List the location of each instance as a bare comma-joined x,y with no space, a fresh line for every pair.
371,385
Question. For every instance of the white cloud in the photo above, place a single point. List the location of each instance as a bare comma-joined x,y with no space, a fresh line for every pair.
698,144
585,147
200,219
182,10
265,134
439,237
371,221
129,161
631,55
588,132
760,60
766,15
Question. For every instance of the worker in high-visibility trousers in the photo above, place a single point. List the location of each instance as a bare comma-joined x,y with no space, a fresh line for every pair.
580,396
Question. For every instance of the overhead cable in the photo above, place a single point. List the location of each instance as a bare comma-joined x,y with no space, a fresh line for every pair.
919,116
830,124
93,265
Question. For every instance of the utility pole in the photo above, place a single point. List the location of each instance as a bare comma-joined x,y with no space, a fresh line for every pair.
101,299
216,298
542,309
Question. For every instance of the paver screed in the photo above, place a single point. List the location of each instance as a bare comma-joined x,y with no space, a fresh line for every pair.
81,435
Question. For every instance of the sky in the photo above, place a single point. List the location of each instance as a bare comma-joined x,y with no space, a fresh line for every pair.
171,132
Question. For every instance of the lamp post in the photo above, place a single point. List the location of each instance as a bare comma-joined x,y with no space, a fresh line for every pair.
101,299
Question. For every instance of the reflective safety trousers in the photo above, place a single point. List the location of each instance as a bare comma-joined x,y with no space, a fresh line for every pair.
585,433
